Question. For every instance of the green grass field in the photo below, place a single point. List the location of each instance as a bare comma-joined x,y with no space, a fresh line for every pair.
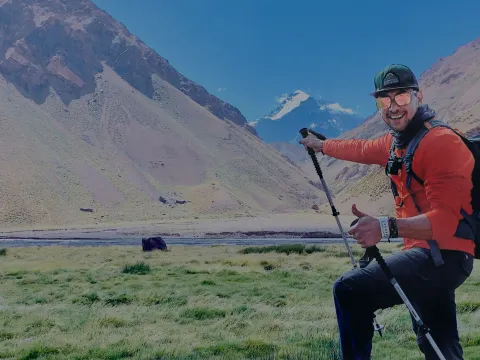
192,303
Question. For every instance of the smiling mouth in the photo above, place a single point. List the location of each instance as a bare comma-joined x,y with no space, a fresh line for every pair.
396,117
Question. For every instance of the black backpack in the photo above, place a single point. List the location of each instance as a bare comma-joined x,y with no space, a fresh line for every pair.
469,226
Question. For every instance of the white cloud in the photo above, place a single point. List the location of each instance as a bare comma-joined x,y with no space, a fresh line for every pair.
337,108
313,125
253,123
221,89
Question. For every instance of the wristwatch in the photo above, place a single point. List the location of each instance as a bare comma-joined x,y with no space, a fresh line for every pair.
392,225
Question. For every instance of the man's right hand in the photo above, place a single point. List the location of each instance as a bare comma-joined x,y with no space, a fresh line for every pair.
312,142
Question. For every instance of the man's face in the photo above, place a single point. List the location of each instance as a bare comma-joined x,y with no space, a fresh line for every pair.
398,107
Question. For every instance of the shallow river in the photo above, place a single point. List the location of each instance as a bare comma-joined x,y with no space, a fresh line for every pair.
4,243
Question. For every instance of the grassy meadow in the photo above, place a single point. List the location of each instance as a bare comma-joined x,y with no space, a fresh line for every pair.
218,302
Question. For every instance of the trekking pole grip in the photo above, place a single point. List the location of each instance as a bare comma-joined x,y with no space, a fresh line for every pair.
305,131
374,252
311,152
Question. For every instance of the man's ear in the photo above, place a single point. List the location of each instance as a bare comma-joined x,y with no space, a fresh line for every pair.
420,97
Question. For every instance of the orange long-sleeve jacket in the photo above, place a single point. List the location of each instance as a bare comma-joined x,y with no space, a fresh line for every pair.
445,165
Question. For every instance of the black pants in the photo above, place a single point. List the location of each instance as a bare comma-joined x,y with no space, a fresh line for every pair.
431,290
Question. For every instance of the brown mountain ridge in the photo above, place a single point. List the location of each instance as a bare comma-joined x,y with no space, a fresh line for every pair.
94,119
62,44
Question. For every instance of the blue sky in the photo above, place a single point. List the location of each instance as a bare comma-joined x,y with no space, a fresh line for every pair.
250,52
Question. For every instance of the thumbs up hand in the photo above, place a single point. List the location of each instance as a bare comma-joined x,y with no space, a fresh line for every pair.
367,231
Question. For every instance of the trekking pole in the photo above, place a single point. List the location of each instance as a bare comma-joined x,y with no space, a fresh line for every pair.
335,213
304,132
423,330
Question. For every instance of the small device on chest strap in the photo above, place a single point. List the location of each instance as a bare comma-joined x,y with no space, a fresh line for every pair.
393,165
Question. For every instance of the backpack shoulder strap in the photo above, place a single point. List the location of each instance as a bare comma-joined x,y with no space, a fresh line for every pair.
392,157
408,159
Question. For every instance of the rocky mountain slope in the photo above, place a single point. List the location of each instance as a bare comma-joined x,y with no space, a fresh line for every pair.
451,87
63,43
93,119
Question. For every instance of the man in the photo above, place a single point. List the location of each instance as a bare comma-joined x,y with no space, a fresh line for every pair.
428,271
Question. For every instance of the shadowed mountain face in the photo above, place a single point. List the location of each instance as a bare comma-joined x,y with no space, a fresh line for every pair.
63,43
451,87
93,119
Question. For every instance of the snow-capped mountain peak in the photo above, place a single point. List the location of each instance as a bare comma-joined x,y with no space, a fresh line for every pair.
288,104
298,110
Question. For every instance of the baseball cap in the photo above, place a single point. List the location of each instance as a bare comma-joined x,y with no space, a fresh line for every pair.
393,77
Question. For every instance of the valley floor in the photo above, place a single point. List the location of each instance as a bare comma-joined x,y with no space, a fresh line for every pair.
271,225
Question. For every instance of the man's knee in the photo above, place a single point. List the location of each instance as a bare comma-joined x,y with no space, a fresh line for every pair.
341,292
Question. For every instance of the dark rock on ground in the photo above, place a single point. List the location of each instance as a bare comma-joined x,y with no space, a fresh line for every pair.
171,201
153,243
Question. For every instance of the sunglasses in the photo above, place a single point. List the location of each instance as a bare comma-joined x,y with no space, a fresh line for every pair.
401,99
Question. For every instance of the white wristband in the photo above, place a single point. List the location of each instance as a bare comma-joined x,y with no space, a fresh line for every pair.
384,226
